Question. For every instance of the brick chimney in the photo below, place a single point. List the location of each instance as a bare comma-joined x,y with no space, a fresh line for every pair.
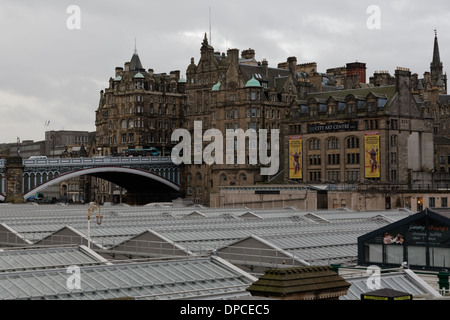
248,54
233,55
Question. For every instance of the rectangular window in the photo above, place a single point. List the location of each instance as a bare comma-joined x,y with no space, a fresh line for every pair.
352,176
393,254
417,256
374,253
334,176
315,176
334,158
393,175
432,202
353,158
439,257
444,202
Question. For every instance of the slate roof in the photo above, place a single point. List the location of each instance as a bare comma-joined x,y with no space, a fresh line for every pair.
135,63
274,77
384,91
444,98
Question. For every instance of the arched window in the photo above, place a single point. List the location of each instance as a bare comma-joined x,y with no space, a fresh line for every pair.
124,124
314,144
334,143
130,123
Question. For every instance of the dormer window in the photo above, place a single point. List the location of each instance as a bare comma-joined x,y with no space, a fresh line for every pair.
381,102
361,104
322,108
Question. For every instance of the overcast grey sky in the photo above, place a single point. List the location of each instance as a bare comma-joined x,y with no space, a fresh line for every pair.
50,72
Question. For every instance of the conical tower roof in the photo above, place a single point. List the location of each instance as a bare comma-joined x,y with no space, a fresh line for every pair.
135,63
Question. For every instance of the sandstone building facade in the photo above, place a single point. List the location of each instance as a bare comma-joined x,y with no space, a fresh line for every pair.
335,116
234,92
138,111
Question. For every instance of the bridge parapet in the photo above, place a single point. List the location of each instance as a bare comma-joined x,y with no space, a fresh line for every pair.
97,161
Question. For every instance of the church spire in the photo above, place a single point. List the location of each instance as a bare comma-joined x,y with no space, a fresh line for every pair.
436,57
436,64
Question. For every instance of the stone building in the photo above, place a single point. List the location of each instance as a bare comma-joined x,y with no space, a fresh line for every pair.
334,129
232,92
401,119
138,111
62,143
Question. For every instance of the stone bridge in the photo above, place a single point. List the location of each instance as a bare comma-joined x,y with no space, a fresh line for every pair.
154,176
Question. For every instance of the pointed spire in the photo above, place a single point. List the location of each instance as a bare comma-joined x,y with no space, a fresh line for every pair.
135,63
436,66
205,40
436,57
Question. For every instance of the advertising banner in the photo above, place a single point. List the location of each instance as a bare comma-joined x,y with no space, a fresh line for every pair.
417,233
295,157
372,154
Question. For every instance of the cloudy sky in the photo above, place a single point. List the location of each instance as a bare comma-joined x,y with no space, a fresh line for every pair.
53,65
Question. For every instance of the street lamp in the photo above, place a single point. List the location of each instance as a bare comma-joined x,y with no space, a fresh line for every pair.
92,208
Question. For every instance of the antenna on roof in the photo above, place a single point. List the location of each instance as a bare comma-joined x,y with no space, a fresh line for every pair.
210,38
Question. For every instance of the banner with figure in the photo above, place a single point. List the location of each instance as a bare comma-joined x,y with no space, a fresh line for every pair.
372,154
295,157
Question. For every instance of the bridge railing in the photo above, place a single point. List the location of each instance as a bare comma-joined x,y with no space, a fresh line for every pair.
100,161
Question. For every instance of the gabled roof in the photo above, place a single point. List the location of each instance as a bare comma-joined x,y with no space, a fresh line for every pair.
439,214
150,243
195,214
10,236
67,235
249,215
403,279
237,252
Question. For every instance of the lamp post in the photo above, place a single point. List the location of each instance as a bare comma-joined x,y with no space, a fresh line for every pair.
92,208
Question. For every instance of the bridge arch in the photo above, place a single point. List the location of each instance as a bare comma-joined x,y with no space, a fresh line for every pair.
100,170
